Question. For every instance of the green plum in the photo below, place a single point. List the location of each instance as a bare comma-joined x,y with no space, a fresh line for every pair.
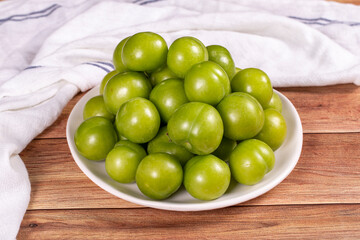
144,51
161,74
225,148
206,82
196,126
206,177
159,175
242,115
223,123
183,53
117,59
96,107
222,56
163,143
125,86
95,137
274,130
236,71
275,103
254,82
168,96
250,161
106,79
138,120
122,161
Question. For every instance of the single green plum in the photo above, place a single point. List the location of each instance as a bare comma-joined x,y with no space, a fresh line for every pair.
250,161
196,126
144,51
254,82
122,161
138,120
96,107
242,115
125,86
274,130
222,56
183,53
206,177
95,137
159,175
168,96
206,82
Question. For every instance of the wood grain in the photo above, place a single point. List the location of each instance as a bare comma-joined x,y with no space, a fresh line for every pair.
356,2
327,109
327,172
337,109
261,222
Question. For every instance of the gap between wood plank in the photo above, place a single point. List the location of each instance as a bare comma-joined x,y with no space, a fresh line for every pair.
233,206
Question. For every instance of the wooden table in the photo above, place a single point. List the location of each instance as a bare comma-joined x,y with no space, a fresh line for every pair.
319,199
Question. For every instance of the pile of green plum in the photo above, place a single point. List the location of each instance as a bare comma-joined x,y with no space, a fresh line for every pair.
181,115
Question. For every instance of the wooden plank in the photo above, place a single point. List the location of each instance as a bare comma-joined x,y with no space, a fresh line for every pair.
327,172
356,2
321,109
327,109
261,222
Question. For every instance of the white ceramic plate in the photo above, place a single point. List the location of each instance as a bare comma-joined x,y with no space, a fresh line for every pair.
286,158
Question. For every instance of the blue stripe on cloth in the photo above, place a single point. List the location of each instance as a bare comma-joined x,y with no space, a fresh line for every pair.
36,17
31,67
33,15
99,66
88,63
149,1
27,14
107,64
324,21
143,2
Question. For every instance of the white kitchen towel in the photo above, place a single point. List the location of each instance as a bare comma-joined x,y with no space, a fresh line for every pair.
50,50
